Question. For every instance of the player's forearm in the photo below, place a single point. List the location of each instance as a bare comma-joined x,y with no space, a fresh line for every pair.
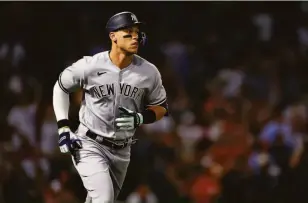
61,103
159,111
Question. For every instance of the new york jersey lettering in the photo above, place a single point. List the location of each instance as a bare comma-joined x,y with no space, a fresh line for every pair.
109,90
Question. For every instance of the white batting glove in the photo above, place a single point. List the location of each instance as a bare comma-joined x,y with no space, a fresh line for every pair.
128,119
68,142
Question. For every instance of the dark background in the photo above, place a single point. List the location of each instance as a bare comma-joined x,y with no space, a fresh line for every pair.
236,78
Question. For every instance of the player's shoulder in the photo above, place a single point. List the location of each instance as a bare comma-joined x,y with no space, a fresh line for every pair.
88,64
91,60
145,64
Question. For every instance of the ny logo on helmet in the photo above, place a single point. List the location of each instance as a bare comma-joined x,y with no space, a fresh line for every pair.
134,18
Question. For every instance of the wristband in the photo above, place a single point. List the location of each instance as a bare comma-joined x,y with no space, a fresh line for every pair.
63,123
149,116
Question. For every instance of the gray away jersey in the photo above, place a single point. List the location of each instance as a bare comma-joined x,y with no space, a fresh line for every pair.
107,87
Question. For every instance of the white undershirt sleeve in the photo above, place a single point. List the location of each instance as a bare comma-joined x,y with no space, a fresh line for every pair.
61,102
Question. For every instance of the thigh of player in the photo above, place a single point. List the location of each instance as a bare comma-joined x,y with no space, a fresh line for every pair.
118,168
92,165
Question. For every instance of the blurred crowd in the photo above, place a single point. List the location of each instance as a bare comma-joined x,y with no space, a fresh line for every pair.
236,79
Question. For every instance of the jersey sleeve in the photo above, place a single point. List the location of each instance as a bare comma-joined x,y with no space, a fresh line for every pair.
157,95
73,77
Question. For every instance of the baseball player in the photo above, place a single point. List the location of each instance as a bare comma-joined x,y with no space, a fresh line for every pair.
121,92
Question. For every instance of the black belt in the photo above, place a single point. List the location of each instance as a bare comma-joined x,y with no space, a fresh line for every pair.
114,144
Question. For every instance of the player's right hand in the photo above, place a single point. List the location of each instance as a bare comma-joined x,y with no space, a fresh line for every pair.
68,142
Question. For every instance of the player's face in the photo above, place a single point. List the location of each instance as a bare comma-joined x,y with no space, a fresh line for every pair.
127,39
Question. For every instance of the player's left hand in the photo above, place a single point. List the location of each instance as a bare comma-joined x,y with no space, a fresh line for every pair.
128,119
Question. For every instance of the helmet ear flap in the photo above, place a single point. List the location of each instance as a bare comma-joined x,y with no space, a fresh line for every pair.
142,38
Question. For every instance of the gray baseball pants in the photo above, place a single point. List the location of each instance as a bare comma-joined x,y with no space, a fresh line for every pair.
102,169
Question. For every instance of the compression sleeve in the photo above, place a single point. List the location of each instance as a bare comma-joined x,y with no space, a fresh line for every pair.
61,103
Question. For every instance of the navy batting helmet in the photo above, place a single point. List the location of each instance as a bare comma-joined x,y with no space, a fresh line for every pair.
124,20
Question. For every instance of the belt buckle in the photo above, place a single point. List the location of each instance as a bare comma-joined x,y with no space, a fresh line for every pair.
119,145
